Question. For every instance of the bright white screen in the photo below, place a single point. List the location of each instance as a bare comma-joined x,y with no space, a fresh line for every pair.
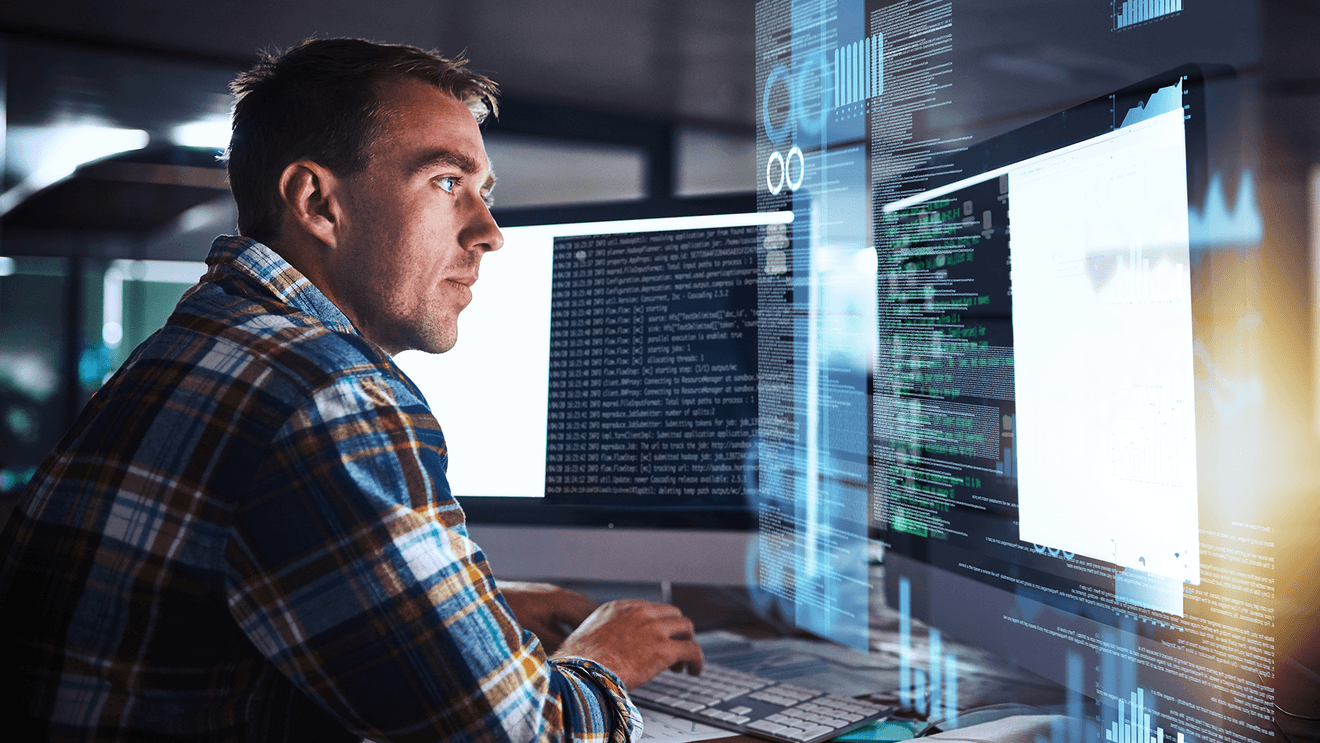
1102,336
489,392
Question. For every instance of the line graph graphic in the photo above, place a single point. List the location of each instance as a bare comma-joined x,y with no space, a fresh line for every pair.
1162,101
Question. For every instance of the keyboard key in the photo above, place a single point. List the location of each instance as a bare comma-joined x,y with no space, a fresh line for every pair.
790,714
816,731
830,720
816,720
833,722
766,726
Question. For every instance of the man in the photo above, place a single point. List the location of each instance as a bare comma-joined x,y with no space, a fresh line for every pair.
248,535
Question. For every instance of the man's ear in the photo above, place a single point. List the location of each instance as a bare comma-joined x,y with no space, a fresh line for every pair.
311,200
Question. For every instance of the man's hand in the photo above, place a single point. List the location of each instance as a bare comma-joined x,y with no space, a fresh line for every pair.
636,640
550,612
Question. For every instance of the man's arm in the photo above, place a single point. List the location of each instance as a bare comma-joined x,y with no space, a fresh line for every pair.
547,611
351,570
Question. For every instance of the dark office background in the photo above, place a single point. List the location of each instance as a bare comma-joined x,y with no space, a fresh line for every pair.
110,111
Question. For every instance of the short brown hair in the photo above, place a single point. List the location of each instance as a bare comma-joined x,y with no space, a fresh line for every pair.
319,101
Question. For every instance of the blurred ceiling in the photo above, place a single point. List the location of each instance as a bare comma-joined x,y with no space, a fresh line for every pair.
606,100
689,60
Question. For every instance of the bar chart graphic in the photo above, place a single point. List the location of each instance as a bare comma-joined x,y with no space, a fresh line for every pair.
1150,437
934,693
1129,13
1133,724
859,70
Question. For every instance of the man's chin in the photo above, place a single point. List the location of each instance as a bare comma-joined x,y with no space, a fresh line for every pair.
437,344
432,338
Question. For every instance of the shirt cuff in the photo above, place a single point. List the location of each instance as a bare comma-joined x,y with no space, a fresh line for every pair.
626,726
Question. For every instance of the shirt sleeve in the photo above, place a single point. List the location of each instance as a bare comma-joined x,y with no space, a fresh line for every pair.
350,569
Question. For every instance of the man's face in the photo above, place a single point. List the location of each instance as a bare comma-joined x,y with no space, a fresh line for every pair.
415,222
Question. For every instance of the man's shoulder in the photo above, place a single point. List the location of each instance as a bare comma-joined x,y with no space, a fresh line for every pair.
222,327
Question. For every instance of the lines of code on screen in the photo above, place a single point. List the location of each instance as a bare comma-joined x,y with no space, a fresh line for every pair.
944,398
652,389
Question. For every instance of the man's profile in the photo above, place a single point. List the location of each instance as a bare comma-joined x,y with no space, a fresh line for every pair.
248,534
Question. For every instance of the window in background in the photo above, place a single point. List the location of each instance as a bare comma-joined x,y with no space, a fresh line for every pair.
711,161
137,298
123,302
32,316
537,171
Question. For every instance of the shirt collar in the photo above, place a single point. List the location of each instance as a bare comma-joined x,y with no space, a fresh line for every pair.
244,257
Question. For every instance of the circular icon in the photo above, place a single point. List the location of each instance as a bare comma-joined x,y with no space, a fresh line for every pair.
812,95
774,185
776,134
802,168
785,171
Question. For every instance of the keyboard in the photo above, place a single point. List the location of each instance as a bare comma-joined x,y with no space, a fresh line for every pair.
753,705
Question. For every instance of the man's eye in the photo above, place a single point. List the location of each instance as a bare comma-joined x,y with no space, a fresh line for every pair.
448,183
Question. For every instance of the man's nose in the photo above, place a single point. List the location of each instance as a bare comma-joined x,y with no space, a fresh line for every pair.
483,233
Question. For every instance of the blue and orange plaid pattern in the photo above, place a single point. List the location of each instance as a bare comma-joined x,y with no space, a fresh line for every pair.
248,535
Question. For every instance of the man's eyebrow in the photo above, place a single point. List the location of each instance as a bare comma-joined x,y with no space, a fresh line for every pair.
449,158
486,189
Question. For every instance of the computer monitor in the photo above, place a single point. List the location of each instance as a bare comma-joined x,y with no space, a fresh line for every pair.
1037,421
602,396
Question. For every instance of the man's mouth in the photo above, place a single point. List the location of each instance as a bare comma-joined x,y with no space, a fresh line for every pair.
466,284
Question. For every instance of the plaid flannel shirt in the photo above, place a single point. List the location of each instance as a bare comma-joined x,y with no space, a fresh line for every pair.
248,535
